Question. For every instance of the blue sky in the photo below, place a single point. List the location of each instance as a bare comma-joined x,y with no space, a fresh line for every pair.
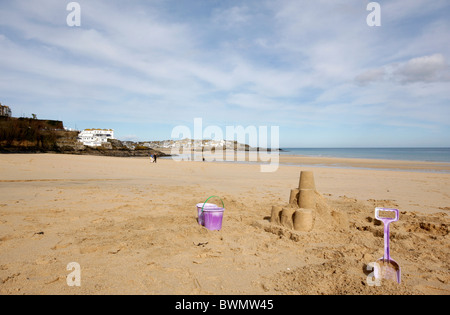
313,68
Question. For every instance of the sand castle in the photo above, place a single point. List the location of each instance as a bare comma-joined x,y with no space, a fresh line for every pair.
307,209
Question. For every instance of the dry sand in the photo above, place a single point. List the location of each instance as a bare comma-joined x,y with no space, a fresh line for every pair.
131,226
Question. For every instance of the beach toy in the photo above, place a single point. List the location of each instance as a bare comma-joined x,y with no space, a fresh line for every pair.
210,215
386,267
200,206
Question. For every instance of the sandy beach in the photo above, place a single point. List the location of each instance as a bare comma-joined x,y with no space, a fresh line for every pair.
131,226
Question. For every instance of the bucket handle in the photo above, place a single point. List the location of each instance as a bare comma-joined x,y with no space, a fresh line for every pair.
210,198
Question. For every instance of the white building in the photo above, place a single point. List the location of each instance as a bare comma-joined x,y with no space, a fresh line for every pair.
5,111
95,137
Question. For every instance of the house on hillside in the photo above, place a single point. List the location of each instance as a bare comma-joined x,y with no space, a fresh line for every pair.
95,137
5,111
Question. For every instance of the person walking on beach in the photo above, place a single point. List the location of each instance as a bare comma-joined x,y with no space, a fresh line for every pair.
154,158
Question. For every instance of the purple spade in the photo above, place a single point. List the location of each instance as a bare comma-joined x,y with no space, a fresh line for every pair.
386,267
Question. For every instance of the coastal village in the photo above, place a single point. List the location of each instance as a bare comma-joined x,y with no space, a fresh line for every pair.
100,137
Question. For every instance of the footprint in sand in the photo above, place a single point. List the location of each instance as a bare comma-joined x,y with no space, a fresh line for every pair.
44,261
10,278
89,250
61,246
6,238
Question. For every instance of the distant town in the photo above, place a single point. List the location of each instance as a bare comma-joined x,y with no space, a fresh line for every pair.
100,137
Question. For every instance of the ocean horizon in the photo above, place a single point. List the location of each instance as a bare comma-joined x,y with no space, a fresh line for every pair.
440,154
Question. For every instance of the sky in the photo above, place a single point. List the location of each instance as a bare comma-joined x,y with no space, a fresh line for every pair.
315,69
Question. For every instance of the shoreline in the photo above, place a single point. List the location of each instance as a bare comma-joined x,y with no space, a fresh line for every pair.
369,164
338,162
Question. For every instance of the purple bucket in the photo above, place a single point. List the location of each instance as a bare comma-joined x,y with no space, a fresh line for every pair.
210,215
201,217
213,218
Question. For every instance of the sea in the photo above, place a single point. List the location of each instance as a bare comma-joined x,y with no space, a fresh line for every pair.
406,154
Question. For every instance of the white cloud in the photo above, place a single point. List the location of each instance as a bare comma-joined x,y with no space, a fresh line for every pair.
427,69
423,69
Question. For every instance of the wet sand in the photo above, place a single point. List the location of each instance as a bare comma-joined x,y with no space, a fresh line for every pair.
367,163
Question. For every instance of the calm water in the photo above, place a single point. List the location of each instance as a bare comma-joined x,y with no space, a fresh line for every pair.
408,154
